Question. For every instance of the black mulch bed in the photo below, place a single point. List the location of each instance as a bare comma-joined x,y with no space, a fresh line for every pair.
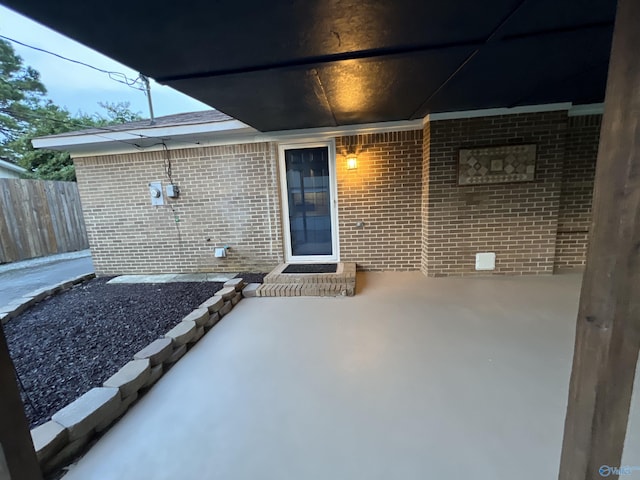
74,341
252,277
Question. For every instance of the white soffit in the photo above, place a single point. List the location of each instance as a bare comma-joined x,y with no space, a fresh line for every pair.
60,142
235,132
492,112
572,111
186,136
12,166
590,109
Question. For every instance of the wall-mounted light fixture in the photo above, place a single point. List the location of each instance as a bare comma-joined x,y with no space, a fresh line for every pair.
352,161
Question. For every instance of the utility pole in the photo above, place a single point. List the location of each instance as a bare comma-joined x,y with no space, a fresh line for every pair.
147,91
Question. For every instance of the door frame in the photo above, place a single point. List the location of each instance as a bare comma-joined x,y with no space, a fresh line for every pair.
333,207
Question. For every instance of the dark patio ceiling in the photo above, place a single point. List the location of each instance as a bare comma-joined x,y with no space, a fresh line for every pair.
309,63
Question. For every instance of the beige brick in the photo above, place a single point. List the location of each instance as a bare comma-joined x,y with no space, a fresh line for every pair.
518,221
246,171
404,190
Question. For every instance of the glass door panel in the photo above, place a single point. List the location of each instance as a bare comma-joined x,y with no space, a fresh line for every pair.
309,200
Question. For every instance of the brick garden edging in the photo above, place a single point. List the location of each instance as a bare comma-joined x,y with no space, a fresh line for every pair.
18,306
70,429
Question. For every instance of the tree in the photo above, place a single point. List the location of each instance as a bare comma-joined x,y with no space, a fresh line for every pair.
118,112
47,119
50,119
26,113
20,92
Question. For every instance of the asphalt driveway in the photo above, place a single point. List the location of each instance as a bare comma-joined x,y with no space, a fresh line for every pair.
19,278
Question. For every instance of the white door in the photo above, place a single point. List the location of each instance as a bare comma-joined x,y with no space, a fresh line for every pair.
307,175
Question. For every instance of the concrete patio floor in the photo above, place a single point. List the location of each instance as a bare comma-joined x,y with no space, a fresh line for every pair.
413,378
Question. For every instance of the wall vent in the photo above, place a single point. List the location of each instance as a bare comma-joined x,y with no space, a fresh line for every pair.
486,261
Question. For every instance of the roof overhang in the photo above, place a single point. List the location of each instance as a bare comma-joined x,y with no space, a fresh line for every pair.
293,64
151,138
11,167
110,143
141,138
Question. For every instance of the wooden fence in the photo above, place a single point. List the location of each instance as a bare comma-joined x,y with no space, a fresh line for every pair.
39,218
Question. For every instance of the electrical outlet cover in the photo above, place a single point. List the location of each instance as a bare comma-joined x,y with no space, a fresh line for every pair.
173,191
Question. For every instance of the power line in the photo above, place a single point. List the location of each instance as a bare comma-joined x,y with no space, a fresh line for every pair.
168,170
116,76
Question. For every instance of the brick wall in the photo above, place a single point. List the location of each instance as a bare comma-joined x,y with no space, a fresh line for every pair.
574,217
518,221
229,196
384,192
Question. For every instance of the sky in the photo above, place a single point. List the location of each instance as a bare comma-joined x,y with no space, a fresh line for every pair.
80,88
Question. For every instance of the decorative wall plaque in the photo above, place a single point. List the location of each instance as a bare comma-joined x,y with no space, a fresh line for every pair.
512,163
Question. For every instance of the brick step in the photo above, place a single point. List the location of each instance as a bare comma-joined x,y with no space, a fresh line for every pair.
340,283
307,279
307,290
345,274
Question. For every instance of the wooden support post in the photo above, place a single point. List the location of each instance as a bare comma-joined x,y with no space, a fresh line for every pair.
608,325
17,456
